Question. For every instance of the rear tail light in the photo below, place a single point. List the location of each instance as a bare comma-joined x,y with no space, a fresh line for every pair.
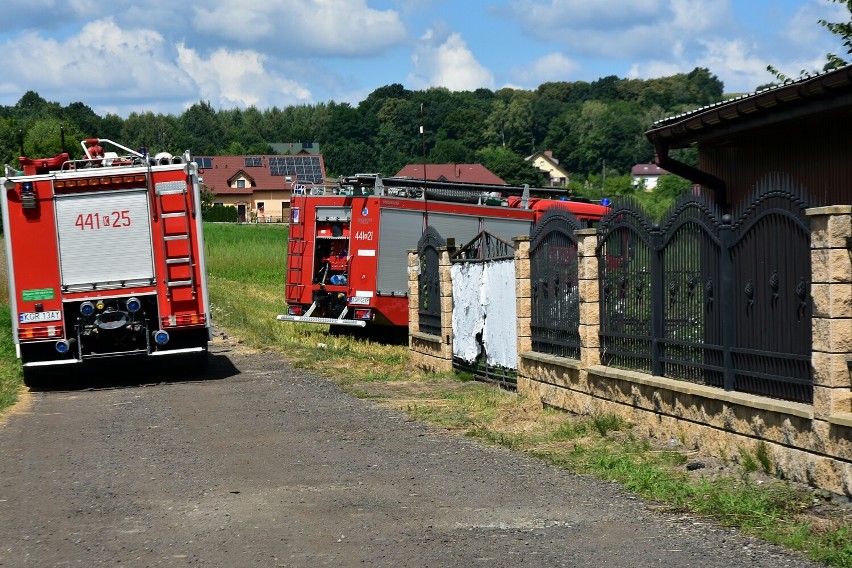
362,314
183,319
295,310
40,332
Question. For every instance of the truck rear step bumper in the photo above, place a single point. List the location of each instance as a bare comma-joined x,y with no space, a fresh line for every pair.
332,321
52,363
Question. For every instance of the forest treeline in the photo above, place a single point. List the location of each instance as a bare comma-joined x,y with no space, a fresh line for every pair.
595,129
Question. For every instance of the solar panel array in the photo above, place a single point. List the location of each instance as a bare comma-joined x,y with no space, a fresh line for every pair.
204,162
254,161
307,168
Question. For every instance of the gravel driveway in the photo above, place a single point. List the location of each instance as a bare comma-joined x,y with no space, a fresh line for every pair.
261,464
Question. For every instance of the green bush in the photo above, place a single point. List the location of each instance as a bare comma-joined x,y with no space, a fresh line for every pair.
220,214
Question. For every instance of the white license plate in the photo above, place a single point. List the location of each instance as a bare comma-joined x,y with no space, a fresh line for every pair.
30,317
359,301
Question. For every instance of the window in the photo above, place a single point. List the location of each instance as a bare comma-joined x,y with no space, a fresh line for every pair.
241,183
260,205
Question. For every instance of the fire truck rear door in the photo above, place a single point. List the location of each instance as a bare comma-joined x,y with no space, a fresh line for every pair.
104,240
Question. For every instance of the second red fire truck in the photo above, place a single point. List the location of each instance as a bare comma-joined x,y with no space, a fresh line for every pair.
106,259
347,254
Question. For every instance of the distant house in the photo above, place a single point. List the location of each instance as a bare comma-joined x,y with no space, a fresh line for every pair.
548,165
465,173
646,176
259,187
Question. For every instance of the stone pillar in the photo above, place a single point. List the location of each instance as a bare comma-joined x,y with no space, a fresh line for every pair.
590,318
523,293
413,292
446,287
831,290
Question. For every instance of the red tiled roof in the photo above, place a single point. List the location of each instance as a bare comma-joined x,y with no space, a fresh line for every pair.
647,170
225,168
467,173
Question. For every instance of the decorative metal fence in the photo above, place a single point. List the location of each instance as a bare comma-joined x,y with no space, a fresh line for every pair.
428,282
554,285
715,299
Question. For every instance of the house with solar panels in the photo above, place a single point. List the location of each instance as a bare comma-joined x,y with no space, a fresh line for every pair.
260,187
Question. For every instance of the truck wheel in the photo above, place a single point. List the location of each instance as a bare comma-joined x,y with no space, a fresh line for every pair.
36,378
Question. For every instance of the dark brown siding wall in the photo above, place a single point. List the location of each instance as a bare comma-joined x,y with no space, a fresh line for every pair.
816,152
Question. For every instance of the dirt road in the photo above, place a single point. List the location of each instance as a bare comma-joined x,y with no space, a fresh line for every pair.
264,465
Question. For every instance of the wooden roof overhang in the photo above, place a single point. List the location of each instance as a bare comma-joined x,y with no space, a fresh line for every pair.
805,97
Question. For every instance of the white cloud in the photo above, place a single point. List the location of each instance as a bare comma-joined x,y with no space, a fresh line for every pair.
543,17
342,28
622,30
551,67
42,14
738,65
239,78
114,69
447,64
101,56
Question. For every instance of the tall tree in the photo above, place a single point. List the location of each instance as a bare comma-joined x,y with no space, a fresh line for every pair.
842,29
202,132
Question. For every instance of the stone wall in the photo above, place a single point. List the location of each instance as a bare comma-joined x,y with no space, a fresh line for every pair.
811,443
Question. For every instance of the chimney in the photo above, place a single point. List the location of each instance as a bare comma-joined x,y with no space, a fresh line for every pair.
548,153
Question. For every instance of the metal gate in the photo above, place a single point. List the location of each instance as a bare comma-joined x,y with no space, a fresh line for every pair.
428,282
554,285
485,341
722,300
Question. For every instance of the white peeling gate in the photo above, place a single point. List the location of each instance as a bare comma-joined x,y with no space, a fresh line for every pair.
485,339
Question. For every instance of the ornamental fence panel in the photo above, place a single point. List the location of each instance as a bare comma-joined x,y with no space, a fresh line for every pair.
716,299
554,290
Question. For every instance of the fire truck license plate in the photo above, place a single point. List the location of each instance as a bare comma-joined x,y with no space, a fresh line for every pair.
359,301
50,315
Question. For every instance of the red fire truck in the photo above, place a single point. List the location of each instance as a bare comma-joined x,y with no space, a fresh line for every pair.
347,253
106,259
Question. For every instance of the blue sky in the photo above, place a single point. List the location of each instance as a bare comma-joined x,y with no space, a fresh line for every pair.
163,56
